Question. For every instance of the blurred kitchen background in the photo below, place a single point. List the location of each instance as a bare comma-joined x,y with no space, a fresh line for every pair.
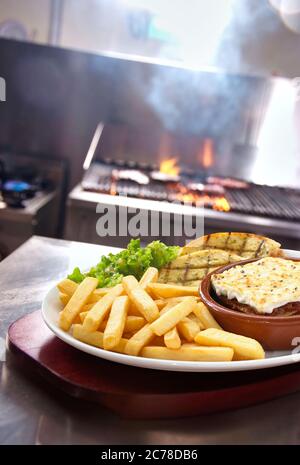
140,103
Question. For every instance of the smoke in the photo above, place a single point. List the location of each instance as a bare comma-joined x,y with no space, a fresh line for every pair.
218,103
203,103
213,104
230,103
245,43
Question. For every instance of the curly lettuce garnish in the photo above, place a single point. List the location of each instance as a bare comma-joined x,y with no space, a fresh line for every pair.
132,261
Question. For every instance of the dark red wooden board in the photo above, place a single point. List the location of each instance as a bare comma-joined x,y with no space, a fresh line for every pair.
137,392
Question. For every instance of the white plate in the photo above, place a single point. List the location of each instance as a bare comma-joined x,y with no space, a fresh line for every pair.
52,306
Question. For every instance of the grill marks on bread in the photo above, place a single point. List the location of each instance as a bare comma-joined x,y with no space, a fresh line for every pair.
209,252
188,270
246,245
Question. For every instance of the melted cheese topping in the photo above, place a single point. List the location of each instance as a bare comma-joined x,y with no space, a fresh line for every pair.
265,284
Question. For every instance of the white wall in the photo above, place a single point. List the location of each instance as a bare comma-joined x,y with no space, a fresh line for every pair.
255,40
32,14
101,25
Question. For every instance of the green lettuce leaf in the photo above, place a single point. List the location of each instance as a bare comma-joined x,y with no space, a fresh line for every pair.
132,261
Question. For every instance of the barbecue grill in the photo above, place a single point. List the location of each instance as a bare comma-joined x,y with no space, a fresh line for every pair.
198,190
221,146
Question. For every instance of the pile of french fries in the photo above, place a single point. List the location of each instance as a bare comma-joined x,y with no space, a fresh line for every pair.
149,319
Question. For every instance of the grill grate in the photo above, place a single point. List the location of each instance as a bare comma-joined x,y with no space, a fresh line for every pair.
267,201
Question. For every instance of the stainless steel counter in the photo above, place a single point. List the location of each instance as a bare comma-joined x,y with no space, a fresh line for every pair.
31,412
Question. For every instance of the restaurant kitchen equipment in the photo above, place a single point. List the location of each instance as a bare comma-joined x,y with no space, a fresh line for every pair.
224,148
180,126
30,199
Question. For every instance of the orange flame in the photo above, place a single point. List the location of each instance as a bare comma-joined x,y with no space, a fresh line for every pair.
113,188
206,200
169,167
221,204
207,154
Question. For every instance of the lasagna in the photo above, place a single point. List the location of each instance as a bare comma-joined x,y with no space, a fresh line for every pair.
269,286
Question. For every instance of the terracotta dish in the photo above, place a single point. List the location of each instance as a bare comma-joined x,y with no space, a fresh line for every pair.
273,332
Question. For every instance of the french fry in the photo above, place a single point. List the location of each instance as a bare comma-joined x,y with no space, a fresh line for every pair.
193,317
134,323
87,307
163,302
133,311
188,329
140,299
167,307
102,326
95,338
64,298
67,286
170,303
206,318
172,339
162,291
82,316
98,294
189,352
180,298
101,308
76,302
150,276
160,303
101,291
140,339
158,341
166,304
116,322
77,320
173,316
244,348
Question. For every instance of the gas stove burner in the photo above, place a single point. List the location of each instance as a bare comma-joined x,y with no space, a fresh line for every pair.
20,183
15,191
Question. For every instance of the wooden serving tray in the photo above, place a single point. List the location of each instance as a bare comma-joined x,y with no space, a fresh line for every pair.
137,392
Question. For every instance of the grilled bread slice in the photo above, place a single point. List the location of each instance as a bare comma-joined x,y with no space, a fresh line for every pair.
189,269
245,245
